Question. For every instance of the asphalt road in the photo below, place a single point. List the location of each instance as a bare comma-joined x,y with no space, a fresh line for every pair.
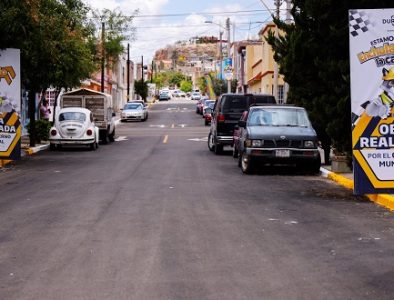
155,215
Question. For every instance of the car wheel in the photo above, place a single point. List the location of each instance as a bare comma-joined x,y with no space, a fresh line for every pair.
93,146
246,164
52,147
235,152
104,137
206,123
111,137
211,142
314,168
218,149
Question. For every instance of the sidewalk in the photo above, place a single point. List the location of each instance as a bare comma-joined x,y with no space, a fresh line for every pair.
346,180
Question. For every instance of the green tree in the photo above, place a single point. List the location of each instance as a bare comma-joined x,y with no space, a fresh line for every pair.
313,57
202,84
52,38
141,88
186,86
176,78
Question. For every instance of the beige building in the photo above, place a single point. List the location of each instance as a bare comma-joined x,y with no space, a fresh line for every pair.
260,67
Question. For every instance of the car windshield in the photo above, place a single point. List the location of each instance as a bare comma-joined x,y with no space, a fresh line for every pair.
72,116
133,106
278,117
209,102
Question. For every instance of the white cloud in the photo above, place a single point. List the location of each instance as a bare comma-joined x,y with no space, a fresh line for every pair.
155,33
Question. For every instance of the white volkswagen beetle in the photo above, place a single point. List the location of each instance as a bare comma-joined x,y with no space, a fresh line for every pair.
74,126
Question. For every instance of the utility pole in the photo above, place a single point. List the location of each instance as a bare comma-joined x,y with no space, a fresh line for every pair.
128,72
221,55
276,67
228,51
288,21
142,68
103,55
151,74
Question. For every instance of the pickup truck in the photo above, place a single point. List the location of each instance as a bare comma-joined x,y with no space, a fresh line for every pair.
100,104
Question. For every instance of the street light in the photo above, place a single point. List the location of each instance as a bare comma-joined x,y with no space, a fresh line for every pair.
227,28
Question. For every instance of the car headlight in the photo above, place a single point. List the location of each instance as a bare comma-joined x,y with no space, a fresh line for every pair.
254,143
309,144
257,143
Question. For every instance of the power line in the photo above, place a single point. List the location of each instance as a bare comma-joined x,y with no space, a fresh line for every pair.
201,13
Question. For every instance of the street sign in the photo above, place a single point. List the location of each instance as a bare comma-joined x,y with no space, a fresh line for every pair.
372,99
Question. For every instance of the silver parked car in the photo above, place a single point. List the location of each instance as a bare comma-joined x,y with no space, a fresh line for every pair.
134,111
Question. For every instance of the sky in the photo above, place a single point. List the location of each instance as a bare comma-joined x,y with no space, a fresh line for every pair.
163,22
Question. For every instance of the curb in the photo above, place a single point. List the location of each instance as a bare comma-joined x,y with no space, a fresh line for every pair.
25,152
384,200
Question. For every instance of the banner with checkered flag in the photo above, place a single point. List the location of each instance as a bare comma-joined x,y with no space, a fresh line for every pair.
360,22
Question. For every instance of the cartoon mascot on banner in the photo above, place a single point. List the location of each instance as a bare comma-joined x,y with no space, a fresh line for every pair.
381,105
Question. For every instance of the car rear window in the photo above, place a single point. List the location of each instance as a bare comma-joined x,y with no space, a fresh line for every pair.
262,99
72,116
234,104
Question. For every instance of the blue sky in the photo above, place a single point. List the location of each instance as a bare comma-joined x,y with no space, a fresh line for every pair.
157,31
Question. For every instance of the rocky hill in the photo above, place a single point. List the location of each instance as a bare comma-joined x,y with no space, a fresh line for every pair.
183,51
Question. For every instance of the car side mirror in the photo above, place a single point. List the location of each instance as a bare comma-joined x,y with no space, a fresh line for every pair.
121,109
242,123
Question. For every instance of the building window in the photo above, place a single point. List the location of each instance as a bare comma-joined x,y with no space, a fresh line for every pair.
280,93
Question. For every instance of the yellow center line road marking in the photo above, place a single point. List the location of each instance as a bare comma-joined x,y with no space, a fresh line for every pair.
165,140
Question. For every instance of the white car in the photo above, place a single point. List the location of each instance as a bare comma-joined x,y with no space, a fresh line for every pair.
134,111
74,126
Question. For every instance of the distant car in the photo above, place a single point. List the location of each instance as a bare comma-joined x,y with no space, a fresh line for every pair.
207,115
181,94
74,126
175,93
138,101
134,111
195,96
207,103
164,96
278,135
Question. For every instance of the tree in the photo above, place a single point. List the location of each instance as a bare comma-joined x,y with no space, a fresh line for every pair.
220,85
141,88
52,38
186,86
313,57
202,84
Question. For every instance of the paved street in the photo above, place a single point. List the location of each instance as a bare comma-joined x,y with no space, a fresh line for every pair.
156,215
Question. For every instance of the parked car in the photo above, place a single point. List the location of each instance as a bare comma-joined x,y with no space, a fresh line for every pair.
195,96
207,103
198,106
134,111
100,104
74,126
138,101
181,94
207,115
164,96
227,112
278,135
237,134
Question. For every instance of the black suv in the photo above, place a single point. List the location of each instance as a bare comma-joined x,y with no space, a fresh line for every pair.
278,135
226,113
